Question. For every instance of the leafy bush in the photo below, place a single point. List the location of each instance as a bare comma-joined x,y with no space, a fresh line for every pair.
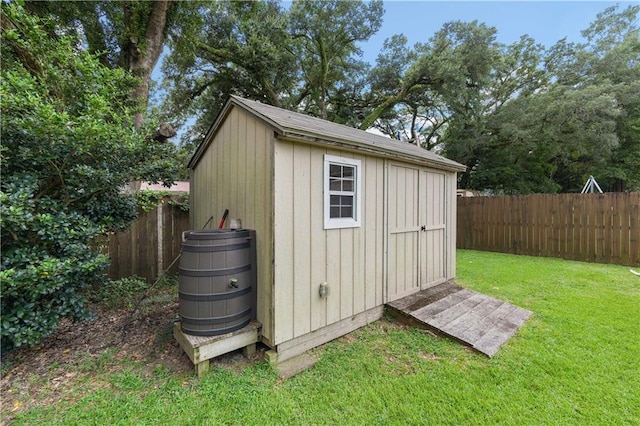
67,147
115,294
46,258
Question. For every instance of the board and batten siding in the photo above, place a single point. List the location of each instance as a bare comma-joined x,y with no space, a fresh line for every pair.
235,172
349,260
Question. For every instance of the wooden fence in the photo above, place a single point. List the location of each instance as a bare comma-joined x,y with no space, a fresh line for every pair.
603,228
150,245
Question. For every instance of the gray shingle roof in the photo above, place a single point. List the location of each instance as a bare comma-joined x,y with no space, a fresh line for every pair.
299,126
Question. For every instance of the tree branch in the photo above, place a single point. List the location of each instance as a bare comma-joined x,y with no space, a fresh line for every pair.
28,59
219,54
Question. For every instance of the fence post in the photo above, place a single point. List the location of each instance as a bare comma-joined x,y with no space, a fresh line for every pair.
160,227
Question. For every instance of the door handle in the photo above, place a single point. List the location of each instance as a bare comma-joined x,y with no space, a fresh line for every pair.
423,228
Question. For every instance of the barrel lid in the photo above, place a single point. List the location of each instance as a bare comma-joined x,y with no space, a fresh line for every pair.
216,234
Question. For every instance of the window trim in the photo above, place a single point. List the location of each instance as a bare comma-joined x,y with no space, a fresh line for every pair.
337,223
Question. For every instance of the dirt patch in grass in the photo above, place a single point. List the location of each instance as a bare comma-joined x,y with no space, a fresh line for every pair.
81,358
71,361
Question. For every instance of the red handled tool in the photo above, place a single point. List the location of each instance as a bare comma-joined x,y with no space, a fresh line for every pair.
224,217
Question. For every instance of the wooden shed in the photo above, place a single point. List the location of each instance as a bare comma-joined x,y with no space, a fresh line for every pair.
345,220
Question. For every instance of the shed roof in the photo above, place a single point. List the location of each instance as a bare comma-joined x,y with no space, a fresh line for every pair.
293,125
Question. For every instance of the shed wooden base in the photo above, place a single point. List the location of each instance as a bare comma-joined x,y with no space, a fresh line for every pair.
201,349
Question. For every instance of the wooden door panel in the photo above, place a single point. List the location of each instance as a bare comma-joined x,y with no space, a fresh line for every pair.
432,243
434,262
404,228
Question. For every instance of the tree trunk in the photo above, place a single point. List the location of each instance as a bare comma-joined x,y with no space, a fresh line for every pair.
618,185
142,60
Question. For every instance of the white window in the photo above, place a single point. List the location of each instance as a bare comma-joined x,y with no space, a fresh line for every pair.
342,177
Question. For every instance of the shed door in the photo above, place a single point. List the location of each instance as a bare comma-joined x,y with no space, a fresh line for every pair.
432,239
403,189
416,230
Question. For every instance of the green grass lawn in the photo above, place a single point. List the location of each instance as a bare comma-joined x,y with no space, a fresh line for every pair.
576,361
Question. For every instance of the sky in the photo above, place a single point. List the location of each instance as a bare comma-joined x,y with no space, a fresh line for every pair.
545,21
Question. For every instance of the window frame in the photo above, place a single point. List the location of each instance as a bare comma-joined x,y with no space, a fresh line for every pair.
355,220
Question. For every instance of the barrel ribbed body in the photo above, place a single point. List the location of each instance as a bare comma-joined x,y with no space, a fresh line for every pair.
217,281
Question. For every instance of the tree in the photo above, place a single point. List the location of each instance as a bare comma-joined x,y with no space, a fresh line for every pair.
612,63
544,142
452,67
236,47
303,59
472,133
440,92
417,112
582,121
522,119
324,41
124,34
67,148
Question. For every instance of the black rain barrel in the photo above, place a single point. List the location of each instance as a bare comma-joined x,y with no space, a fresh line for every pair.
217,281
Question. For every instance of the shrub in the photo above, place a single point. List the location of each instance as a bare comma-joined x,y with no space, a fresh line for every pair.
67,147
46,259
120,293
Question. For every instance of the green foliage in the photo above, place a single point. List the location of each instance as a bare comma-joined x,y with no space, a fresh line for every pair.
181,203
447,75
324,36
46,259
68,146
305,58
446,92
129,35
148,199
227,47
581,122
523,120
117,294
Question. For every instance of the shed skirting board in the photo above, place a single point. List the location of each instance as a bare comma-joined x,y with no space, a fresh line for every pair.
300,345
